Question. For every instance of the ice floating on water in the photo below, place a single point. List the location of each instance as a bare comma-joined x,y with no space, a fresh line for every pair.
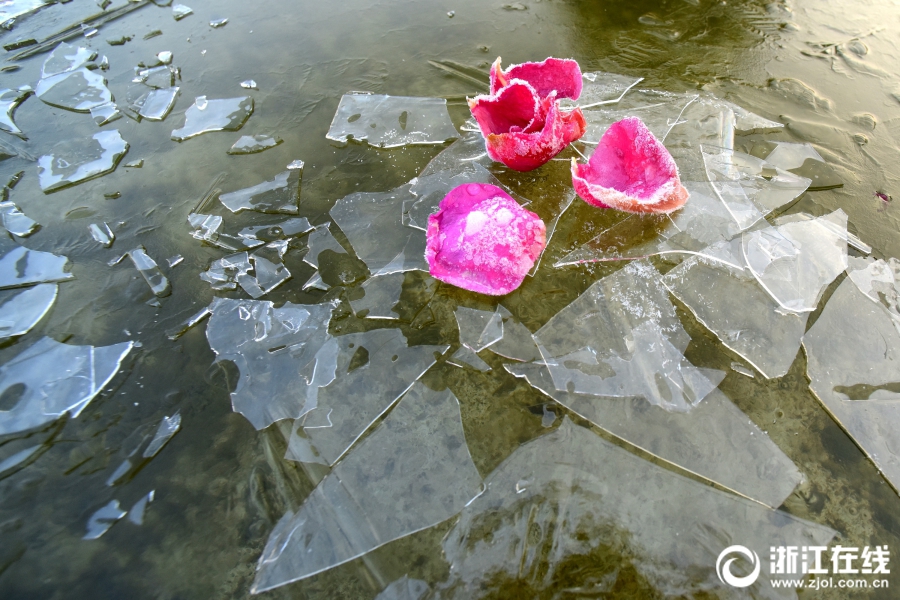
599,88
161,77
257,235
225,114
156,104
168,427
249,85
482,240
622,338
427,477
20,266
148,268
251,144
789,156
15,221
180,11
105,113
103,519
276,351
136,514
233,270
23,311
164,57
9,102
517,342
74,161
404,589
382,293
79,90
853,353
478,329
102,234
281,195
56,379
373,370
466,357
391,121
431,189
318,242
66,58
631,171
584,496
216,23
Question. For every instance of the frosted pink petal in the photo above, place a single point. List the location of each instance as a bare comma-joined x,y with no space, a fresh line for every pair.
481,240
562,75
514,108
630,171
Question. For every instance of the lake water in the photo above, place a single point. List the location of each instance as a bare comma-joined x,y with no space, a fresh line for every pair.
477,483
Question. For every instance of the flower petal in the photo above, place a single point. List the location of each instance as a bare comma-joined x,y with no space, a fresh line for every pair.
526,150
562,75
482,240
630,171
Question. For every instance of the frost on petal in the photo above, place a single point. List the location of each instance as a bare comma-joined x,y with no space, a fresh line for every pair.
512,109
630,171
482,240
527,150
560,75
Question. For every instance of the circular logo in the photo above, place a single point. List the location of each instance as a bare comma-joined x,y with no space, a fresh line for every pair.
724,570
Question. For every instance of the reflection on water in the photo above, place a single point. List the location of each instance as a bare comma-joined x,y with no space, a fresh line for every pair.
355,406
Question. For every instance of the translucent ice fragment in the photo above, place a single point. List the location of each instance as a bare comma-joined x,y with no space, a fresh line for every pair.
180,11
281,195
659,111
148,268
276,351
251,144
79,90
796,261
404,589
787,155
20,266
57,379
587,497
160,77
23,311
168,427
103,519
257,235
478,329
164,57
853,353
878,280
225,114
66,58
15,221
391,121
74,161
178,331
102,234
105,113
216,23
427,476
431,189
382,293
599,88
374,369
9,102
739,368
157,104
136,514
249,84
296,164
517,342
466,357
319,241
699,441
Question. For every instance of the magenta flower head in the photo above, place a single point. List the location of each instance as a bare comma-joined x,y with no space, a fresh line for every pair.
481,240
522,122
630,171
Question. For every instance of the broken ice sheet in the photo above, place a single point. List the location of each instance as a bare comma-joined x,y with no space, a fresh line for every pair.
467,150
74,161
599,88
431,189
466,357
320,240
105,113
853,364
517,342
373,370
404,589
730,303
382,293
136,514
233,270
9,102
280,195
257,235
66,58
703,221
168,427
155,105
878,279
79,90
428,476
621,337
478,329
276,351
796,261
148,268
658,110
251,144
161,77
23,311
102,234
20,266
373,224
701,441
391,121
103,519
787,155
180,11
15,221
570,496
224,114
55,379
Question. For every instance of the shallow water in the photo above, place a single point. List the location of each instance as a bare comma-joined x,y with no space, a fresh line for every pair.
220,486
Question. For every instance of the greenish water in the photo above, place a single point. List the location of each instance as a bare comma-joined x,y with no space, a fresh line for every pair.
220,485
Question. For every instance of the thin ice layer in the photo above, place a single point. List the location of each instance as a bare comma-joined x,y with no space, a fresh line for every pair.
426,476
235,269
23,311
167,429
478,329
9,102
391,121
276,351
57,379
20,266
382,293
599,88
787,155
15,221
79,90
373,224
853,364
404,589
281,195
517,342
103,519
373,370
66,57
796,261
150,271
222,114
251,144
571,496
732,305
466,357
431,189
155,105
74,161
701,442
320,240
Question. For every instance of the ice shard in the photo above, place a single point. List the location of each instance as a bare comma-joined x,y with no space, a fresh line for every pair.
223,114
404,589
15,221
251,144
381,294
79,90
478,329
391,121
168,427
20,266
23,311
280,195
600,88
74,161
149,270
103,519
9,102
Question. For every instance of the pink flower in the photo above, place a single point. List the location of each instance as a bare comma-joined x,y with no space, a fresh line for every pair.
521,120
630,171
481,240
